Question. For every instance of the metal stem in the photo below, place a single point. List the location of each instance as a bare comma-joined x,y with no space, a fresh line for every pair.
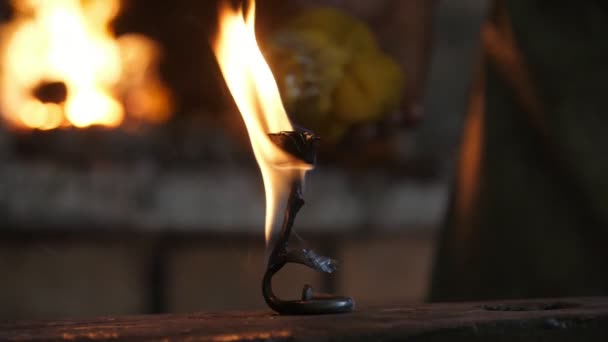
282,255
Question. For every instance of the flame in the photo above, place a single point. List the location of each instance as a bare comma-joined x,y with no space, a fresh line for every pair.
70,41
256,94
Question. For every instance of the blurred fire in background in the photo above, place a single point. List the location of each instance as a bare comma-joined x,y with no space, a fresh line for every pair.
61,65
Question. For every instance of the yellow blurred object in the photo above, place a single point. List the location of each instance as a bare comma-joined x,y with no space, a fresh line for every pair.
331,72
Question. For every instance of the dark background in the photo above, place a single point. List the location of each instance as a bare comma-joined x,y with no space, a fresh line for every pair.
169,219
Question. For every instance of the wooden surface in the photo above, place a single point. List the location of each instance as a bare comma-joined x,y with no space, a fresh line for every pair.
567,319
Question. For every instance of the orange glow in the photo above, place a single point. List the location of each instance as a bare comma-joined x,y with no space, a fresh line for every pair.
256,94
70,41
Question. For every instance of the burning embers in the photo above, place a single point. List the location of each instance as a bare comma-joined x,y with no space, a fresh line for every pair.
62,66
283,155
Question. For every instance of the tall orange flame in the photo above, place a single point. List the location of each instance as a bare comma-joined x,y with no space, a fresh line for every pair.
256,94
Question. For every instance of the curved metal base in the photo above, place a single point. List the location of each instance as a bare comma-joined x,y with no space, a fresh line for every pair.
310,304
330,305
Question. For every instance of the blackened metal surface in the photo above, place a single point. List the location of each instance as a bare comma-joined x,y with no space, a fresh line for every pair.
585,321
300,144
309,304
